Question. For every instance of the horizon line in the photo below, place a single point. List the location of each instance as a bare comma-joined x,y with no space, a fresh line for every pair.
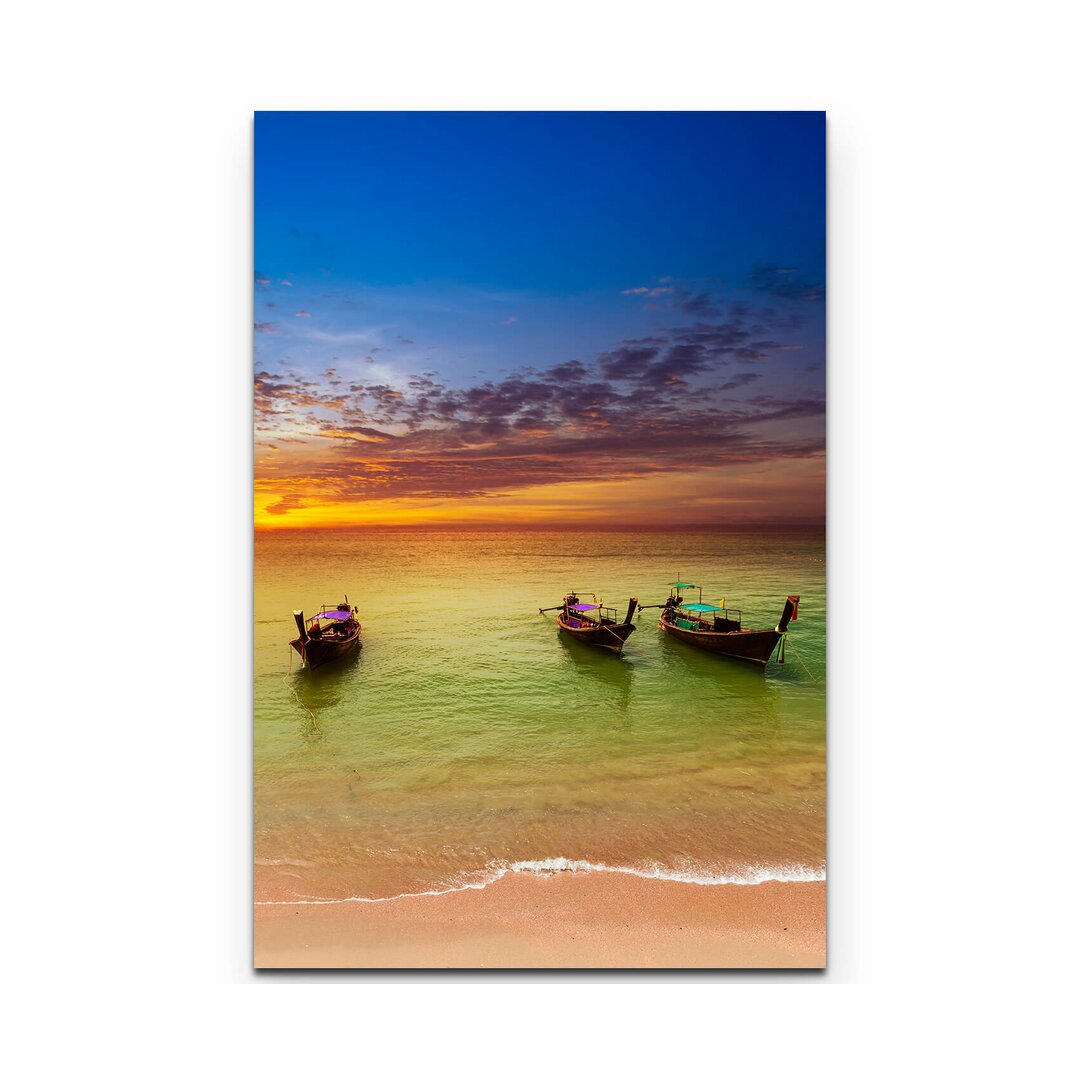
495,526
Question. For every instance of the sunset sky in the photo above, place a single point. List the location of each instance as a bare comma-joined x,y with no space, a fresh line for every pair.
549,318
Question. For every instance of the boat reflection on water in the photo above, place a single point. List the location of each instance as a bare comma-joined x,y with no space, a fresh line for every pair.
318,690
740,700
606,676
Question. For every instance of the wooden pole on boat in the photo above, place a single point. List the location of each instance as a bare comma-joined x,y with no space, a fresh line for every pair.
791,607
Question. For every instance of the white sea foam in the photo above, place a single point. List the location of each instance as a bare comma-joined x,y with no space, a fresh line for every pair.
752,875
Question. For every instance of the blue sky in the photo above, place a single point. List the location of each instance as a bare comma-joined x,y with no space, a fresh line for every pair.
556,202
470,248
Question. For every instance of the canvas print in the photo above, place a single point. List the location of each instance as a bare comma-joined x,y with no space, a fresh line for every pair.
539,627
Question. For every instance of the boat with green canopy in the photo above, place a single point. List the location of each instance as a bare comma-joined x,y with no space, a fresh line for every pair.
718,629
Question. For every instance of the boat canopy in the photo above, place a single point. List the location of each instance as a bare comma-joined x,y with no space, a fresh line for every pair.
701,607
681,585
341,616
584,607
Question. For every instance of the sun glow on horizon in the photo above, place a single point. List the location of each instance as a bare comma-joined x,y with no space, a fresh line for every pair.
791,490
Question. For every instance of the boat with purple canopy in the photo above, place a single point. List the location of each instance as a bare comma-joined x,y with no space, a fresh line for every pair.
594,624
331,634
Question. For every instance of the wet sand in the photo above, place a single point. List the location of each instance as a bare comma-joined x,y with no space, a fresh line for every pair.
590,920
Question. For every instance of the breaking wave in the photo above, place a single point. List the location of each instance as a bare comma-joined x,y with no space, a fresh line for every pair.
753,875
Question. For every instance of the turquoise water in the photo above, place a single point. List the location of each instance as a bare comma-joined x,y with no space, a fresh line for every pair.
468,735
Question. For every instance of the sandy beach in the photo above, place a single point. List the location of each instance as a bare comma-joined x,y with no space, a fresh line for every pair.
592,920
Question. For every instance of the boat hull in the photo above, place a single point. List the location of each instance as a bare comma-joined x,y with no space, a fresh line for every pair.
318,651
753,646
607,636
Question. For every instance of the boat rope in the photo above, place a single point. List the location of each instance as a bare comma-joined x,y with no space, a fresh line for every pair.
292,690
800,659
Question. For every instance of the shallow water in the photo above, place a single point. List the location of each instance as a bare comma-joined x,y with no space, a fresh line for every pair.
468,737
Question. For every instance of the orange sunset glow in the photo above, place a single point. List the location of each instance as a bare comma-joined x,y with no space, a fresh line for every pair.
737,495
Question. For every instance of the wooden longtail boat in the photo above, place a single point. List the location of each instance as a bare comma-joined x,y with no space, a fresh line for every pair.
333,633
719,629
594,624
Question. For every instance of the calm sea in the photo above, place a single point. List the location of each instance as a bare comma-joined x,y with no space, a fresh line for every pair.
468,738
